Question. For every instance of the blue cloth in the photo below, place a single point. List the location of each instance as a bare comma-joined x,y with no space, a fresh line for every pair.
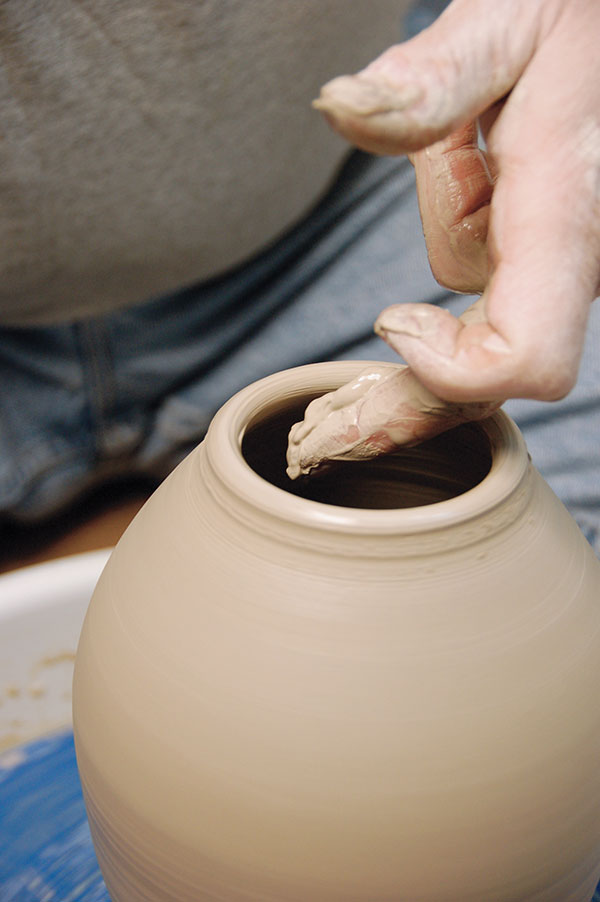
134,391
46,852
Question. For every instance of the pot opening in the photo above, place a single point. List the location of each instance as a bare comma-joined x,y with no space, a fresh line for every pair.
436,470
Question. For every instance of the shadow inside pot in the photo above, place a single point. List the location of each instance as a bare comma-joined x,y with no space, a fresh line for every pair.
435,470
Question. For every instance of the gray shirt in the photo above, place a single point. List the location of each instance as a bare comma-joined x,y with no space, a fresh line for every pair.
147,144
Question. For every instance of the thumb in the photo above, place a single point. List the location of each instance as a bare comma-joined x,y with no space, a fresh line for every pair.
418,92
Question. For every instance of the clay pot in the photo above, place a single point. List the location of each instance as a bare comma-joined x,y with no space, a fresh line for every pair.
283,699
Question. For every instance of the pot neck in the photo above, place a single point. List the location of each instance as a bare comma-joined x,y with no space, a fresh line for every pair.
495,502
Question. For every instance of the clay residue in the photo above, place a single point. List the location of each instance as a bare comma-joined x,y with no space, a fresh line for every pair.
63,657
14,758
12,691
36,690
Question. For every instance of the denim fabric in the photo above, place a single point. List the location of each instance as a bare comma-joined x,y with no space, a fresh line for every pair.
132,392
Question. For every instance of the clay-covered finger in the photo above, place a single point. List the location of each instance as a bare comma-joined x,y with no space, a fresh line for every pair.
384,408
418,92
454,187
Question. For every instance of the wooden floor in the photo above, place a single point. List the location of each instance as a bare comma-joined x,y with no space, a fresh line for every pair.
96,522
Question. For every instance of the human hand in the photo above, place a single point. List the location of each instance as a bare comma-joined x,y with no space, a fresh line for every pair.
383,407
520,222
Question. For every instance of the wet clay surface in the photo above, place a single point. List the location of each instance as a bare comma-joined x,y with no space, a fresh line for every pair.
436,470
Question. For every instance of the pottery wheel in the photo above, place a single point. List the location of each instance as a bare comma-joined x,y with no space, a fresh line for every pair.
46,852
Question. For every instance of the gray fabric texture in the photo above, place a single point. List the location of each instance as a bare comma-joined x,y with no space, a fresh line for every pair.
148,144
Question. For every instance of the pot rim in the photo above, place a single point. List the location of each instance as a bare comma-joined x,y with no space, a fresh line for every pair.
510,461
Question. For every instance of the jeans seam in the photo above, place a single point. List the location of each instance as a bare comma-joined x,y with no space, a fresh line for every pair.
97,363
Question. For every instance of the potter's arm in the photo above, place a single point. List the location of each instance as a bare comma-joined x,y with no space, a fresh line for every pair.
383,408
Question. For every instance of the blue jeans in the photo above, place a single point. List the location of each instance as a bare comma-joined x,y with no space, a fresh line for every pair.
132,392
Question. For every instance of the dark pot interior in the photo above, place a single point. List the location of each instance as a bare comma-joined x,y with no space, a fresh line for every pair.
436,470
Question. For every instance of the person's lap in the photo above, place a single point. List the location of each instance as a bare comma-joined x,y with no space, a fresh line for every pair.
135,390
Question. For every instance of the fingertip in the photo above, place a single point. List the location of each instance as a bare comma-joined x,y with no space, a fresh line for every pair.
434,326
363,95
372,115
